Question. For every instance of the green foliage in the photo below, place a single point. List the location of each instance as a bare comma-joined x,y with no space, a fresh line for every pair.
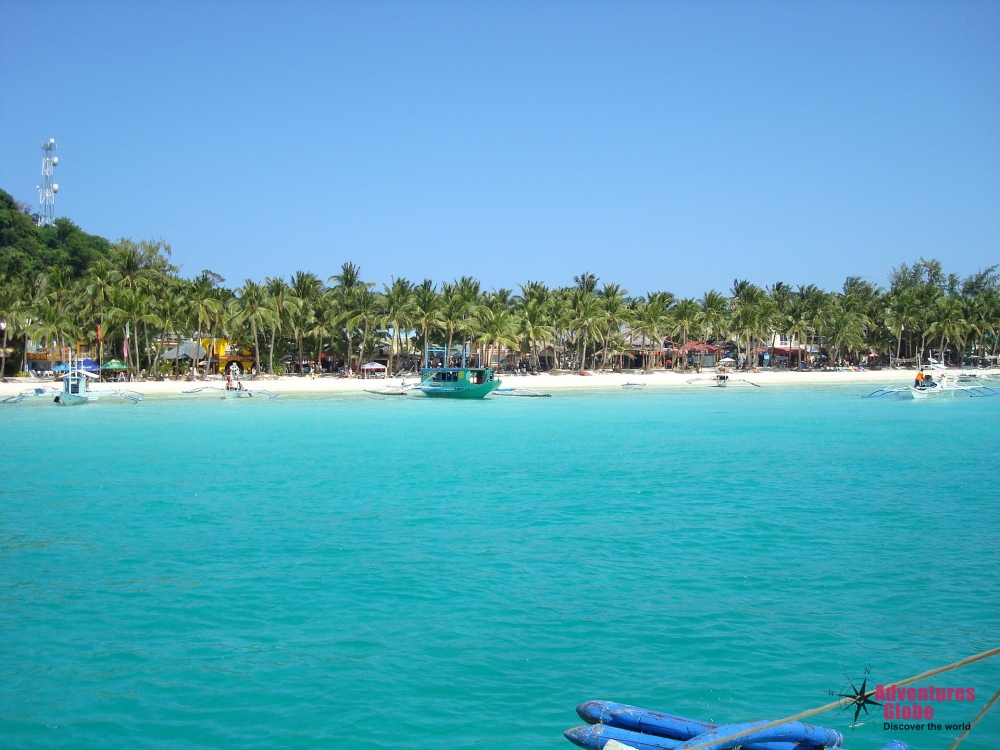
27,250
19,247
59,284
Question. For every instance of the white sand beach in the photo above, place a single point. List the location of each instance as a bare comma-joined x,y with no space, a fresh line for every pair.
544,382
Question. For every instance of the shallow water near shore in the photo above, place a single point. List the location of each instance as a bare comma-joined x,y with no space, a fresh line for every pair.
412,573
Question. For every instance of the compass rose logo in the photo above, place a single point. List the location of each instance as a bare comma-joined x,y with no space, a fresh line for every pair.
855,699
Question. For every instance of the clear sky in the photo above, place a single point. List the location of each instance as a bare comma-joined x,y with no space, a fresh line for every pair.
663,145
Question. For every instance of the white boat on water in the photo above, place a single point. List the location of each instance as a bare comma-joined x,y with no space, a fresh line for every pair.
946,386
231,392
76,390
722,380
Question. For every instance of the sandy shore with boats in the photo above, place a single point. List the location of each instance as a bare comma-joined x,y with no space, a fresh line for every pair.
544,382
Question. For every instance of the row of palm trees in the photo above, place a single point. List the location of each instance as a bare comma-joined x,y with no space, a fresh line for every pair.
134,302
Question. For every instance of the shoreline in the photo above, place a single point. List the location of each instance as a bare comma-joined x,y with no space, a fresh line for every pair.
543,382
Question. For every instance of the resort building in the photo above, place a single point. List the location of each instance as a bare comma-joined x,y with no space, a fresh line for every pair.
226,356
40,360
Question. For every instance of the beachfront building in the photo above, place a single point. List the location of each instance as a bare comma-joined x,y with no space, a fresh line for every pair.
42,360
780,351
700,354
226,356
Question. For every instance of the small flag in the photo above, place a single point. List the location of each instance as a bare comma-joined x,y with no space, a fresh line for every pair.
100,338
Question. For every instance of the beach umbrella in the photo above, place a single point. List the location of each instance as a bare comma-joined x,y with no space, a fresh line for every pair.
372,366
114,365
87,364
60,368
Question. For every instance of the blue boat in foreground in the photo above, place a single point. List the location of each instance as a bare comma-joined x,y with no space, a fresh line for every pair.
616,726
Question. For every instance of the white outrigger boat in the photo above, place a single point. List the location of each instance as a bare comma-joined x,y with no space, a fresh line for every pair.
234,391
927,388
722,380
76,391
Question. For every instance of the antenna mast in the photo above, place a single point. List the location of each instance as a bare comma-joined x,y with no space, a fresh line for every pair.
48,189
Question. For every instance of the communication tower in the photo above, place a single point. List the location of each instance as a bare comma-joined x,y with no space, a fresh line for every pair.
48,189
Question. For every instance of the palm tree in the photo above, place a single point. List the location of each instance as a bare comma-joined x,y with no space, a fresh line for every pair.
496,325
949,324
51,325
170,312
586,317
454,309
713,318
798,326
900,313
253,310
366,311
347,282
751,315
426,311
277,294
98,288
586,282
398,308
305,292
686,317
532,325
204,309
649,320
614,306
130,306
12,310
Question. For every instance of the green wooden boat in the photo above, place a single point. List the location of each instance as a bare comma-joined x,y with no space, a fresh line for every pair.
457,382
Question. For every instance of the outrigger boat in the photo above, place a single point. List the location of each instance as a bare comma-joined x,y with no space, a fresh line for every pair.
233,391
449,382
76,392
457,382
929,388
722,380
453,382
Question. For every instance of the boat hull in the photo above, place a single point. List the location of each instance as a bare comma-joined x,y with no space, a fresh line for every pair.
918,394
482,390
71,399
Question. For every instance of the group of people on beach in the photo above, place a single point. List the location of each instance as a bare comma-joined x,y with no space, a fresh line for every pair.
230,386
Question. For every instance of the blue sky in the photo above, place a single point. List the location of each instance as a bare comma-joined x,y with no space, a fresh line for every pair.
662,145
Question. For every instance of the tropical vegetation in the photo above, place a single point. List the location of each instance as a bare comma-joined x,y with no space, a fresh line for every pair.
60,285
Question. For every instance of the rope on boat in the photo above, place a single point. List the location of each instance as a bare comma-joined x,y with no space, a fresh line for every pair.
837,704
981,714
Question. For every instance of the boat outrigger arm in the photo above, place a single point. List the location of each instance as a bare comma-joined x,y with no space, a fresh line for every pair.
522,392
31,393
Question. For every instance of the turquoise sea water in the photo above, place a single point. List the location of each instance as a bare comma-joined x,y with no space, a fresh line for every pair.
359,572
